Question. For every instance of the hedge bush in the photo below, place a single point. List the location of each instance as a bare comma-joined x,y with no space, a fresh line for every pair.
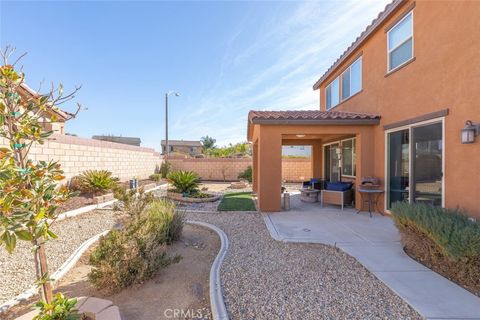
136,252
451,230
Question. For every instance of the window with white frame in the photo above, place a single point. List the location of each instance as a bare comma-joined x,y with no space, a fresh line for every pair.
352,79
400,42
332,94
348,157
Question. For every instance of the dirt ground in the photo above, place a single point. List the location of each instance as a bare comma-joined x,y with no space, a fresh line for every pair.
180,291
220,187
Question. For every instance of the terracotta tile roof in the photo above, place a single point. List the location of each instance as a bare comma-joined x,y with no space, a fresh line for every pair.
372,27
61,114
309,115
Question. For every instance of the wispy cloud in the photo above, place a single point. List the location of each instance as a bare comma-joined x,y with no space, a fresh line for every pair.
277,69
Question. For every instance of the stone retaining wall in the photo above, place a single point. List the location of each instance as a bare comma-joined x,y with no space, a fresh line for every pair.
79,154
227,169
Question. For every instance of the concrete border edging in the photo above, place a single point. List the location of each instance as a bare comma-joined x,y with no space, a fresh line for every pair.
219,310
57,275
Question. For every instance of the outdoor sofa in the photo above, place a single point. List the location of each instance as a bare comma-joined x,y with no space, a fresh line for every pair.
337,193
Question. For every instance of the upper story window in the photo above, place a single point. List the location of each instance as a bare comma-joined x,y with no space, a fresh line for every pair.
332,94
352,79
400,42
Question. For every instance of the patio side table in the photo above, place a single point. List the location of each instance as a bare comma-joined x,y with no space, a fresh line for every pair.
370,196
309,195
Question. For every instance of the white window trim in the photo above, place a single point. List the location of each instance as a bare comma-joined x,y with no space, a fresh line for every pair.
409,128
339,93
350,80
339,142
405,40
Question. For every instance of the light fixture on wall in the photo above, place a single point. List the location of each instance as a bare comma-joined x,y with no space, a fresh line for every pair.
470,131
300,135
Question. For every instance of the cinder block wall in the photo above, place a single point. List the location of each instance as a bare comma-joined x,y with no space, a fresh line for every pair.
79,154
220,169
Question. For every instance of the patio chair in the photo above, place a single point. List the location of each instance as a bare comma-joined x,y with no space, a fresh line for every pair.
337,193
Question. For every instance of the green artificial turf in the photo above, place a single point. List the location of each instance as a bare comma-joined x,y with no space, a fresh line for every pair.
239,201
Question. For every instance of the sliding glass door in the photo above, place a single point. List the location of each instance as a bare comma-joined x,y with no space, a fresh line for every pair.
398,167
415,165
427,172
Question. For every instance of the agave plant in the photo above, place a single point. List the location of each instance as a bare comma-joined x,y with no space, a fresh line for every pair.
96,181
184,181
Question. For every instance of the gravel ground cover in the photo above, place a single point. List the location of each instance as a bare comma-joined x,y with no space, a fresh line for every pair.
18,271
266,279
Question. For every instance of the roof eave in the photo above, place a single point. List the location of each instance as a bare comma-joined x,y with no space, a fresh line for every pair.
331,122
394,6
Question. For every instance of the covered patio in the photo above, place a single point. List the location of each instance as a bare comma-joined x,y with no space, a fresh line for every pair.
270,130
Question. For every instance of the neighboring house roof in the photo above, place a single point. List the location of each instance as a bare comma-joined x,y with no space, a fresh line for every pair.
311,117
374,25
182,143
133,141
61,114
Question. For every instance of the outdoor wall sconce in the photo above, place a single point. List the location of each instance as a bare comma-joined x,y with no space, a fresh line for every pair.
470,131
300,135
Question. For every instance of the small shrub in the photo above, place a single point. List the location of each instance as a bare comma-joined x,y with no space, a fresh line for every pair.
156,177
184,181
162,216
165,168
61,308
135,253
247,174
131,201
97,181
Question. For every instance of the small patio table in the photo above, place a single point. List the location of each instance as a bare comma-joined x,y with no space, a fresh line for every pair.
309,195
370,196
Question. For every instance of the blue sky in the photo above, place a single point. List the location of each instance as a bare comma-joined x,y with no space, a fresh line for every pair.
224,57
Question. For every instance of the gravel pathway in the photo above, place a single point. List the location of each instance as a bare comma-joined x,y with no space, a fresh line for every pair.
18,271
266,279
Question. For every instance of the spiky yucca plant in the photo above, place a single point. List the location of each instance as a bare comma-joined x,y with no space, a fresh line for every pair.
96,181
184,181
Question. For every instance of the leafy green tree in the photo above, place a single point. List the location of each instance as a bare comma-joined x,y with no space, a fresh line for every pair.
30,189
208,143
242,149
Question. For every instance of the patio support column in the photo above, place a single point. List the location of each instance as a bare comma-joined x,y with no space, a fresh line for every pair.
270,169
316,159
365,153
255,166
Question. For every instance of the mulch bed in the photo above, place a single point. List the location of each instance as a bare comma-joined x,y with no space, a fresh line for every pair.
76,202
426,252
85,199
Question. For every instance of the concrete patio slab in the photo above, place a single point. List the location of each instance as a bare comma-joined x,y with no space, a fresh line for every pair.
375,243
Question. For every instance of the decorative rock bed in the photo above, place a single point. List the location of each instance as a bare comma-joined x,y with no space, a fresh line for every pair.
179,197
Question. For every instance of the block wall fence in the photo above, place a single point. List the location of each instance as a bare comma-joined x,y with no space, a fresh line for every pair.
79,154
220,169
